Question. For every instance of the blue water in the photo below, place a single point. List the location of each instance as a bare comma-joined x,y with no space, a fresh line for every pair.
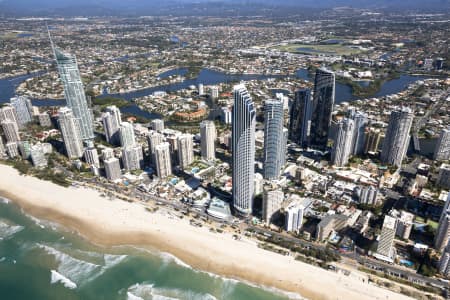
206,77
42,261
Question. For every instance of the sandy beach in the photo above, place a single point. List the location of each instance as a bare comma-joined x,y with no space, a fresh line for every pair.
115,222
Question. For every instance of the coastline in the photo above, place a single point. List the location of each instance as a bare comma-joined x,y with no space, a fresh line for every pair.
116,222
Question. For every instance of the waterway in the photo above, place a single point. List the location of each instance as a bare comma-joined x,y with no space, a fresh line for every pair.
206,77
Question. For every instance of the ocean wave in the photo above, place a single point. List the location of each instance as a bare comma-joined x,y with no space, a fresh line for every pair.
7,229
57,277
146,291
4,200
167,258
82,266
2,259
75,269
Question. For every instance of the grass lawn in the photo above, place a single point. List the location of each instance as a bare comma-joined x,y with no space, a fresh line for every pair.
433,224
332,49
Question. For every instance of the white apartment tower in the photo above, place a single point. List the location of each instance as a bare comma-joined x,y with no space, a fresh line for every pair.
207,143
162,157
70,132
243,145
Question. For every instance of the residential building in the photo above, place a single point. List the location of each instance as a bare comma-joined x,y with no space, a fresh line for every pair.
360,122
158,125
323,101
132,158
163,162
70,132
386,240
45,120
443,232
208,136
11,131
329,224
272,200
294,218
112,168
112,120
91,156
372,141
12,149
444,262
243,145
126,133
274,140
74,93
300,118
368,195
342,147
38,156
404,223
24,110
442,151
443,179
185,150
214,92
397,137
8,113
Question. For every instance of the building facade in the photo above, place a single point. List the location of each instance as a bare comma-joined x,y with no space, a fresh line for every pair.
185,150
70,132
300,118
208,136
343,144
274,140
397,137
163,162
243,150
442,151
112,120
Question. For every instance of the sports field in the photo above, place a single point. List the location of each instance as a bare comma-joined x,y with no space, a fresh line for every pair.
332,49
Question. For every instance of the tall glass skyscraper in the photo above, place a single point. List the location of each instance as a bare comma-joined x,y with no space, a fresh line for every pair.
243,144
74,93
360,120
274,148
323,101
300,118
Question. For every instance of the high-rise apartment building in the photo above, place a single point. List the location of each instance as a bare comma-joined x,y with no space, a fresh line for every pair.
112,169
38,156
372,140
444,262
294,217
274,140
11,131
70,132
386,240
112,120
24,110
443,232
300,118
359,134
163,162
442,151
185,150
158,125
342,148
272,200
208,136
323,101
397,138
126,133
74,93
243,145
132,157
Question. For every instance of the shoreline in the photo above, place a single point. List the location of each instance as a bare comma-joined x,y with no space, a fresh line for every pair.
119,223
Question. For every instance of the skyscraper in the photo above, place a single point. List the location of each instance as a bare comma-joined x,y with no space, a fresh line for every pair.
112,169
11,131
397,137
372,140
112,120
272,200
162,157
443,232
8,113
444,262
300,118
273,139
91,156
243,145
294,217
70,132
443,179
360,122
386,241
2,148
342,148
126,133
185,150
208,137
323,101
74,92
442,151
24,110
132,157
158,125
154,138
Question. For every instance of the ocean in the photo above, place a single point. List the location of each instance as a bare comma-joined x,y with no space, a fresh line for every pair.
42,260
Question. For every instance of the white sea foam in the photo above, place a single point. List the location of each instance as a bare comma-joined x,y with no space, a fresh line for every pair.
148,291
7,230
113,260
5,200
57,277
167,257
130,296
74,269
2,259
